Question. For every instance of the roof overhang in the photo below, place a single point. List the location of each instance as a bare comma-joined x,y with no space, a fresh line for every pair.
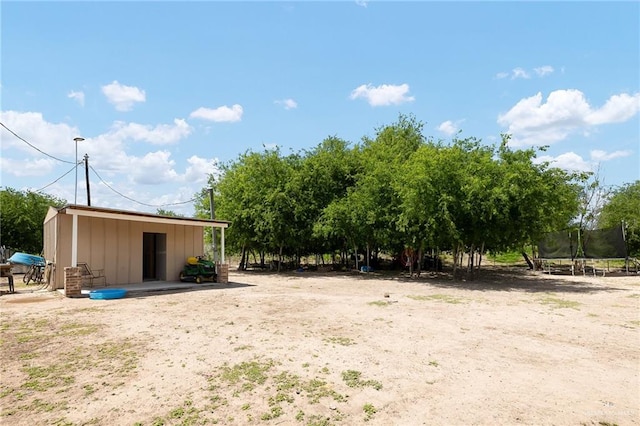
104,213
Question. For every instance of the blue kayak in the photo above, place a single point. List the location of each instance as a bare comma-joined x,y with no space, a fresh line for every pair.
108,293
26,259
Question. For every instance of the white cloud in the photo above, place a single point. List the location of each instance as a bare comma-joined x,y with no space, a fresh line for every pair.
150,177
77,96
220,114
519,73
199,168
161,134
449,127
362,3
617,109
287,103
598,155
123,97
567,161
532,122
544,70
53,138
573,162
153,168
385,94
27,167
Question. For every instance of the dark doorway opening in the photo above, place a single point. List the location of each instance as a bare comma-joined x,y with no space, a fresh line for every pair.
154,256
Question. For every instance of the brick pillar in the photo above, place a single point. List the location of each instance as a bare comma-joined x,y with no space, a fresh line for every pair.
223,273
72,282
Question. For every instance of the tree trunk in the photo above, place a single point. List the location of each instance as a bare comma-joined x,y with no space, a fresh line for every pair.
368,256
526,258
355,249
472,255
455,261
480,255
279,258
241,265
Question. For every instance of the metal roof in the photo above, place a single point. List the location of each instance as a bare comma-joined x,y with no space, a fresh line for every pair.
91,211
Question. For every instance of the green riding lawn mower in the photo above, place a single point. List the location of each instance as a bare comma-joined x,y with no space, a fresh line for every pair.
198,269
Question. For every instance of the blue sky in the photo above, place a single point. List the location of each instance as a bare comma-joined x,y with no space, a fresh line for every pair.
162,90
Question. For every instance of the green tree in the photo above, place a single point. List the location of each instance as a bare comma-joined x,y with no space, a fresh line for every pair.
22,215
624,205
171,213
376,196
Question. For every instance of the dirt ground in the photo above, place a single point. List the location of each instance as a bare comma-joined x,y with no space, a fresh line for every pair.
512,347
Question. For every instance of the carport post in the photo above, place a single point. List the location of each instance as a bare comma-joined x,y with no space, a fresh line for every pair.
74,241
222,244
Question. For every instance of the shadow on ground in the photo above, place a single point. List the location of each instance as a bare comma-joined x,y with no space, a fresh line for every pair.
138,294
489,279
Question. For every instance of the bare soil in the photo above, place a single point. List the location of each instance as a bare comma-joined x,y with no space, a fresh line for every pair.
511,347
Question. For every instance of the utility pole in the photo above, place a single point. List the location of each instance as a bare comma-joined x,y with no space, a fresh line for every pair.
86,174
75,196
213,228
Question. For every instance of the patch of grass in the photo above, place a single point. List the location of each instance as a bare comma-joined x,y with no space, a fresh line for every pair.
378,303
281,390
317,389
369,411
343,341
242,348
557,303
510,257
42,378
78,329
439,297
88,389
40,406
352,379
317,420
275,412
434,363
246,372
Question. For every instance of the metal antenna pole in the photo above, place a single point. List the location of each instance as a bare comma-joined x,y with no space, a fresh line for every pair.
86,174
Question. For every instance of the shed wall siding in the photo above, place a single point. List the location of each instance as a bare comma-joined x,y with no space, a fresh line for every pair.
116,246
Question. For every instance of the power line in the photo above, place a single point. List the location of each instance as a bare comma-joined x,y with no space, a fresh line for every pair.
46,186
136,201
32,146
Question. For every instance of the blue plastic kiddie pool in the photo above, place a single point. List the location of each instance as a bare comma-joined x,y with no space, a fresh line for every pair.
108,293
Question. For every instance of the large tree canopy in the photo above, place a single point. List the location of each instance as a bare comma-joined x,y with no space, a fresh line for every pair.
21,219
392,191
624,206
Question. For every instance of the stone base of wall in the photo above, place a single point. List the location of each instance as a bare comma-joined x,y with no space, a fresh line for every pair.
223,273
72,282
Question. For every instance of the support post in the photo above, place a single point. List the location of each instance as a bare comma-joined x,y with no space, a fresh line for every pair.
213,228
74,241
222,244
